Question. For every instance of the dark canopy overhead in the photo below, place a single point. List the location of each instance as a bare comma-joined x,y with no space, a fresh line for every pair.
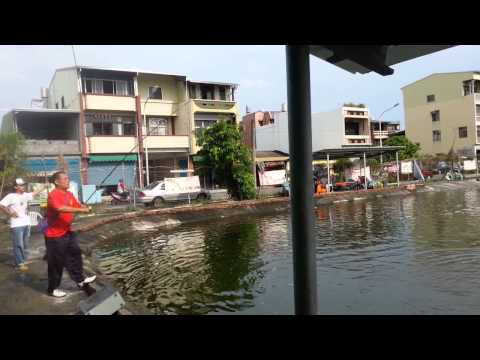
351,152
378,58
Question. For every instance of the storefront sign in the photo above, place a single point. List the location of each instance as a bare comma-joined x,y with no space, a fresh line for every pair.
406,167
274,177
469,165
182,184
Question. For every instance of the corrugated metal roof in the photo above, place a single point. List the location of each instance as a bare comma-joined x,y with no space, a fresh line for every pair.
134,71
41,110
212,83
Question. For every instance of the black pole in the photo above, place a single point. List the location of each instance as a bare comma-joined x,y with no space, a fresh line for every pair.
300,148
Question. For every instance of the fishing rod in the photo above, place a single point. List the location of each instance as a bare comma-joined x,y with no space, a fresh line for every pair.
118,164
126,155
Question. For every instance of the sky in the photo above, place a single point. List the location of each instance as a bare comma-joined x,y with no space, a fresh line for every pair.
258,69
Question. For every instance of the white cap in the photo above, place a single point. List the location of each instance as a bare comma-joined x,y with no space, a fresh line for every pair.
19,181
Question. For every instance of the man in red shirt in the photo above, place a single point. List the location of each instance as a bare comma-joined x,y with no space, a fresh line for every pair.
62,246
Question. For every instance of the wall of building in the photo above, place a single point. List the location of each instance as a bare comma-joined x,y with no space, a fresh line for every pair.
109,103
111,144
453,114
168,84
327,132
184,119
456,110
64,83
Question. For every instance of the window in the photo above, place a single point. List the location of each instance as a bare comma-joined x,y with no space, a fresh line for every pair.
437,135
478,132
155,92
203,124
435,115
352,128
430,98
192,92
121,87
222,93
102,124
88,86
56,105
108,87
207,92
129,128
462,132
157,126
63,102
467,87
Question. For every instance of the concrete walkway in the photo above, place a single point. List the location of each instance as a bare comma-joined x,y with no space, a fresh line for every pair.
25,293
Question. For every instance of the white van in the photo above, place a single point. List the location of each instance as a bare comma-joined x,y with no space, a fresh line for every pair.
172,189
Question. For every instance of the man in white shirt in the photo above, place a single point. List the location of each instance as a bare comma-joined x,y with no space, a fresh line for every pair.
15,205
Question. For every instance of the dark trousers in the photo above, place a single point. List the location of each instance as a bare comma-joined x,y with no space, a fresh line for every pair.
63,252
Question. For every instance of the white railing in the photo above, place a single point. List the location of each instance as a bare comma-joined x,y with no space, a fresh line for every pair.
378,133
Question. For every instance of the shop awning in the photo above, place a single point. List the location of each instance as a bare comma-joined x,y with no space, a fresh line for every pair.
264,156
112,158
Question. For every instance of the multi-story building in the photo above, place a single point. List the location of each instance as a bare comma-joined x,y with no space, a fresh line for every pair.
125,117
442,113
346,126
388,128
49,135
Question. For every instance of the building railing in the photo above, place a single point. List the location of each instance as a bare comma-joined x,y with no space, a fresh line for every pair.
383,133
51,147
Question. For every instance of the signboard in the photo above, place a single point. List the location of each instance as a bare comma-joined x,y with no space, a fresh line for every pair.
182,184
355,173
406,167
274,177
469,165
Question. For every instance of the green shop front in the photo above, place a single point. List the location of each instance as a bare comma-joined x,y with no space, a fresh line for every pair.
106,170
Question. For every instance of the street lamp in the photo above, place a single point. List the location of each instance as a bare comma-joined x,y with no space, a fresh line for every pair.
380,128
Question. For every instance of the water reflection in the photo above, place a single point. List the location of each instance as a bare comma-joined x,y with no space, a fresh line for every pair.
401,255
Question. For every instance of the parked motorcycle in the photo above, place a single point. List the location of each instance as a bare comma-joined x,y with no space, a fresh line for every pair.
118,199
454,174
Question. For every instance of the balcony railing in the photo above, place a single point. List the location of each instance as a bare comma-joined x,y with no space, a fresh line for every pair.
110,144
109,102
51,147
381,134
166,142
357,140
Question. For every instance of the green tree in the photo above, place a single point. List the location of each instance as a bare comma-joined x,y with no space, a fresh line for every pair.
409,151
224,153
11,157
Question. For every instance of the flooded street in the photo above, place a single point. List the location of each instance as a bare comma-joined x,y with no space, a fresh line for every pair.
418,254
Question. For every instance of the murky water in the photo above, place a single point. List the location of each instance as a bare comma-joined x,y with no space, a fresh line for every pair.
401,255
